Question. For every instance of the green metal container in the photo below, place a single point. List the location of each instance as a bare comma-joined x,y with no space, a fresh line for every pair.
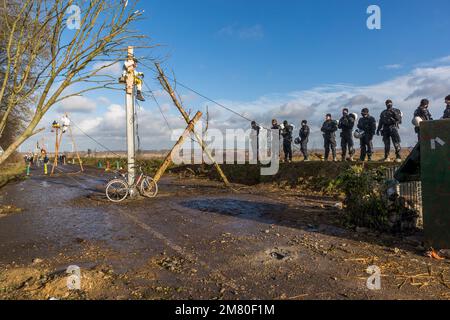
435,176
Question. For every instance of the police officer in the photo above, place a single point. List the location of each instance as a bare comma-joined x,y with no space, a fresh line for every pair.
286,132
390,120
367,126
447,109
329,129
304,139
423,114
346,124
275,125
254,137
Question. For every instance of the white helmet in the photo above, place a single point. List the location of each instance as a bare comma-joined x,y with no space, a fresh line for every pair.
416,121
358,134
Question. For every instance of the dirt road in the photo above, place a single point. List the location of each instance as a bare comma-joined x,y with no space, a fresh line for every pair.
197,240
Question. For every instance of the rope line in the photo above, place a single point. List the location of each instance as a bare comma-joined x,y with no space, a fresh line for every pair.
159,106
93,139
211,100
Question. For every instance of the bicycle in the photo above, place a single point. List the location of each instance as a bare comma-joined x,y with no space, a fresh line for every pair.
118,189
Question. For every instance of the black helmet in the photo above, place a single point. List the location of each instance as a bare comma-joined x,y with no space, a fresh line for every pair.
447,98
424,102
365,111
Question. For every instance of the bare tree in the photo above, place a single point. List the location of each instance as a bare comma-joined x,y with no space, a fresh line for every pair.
48,51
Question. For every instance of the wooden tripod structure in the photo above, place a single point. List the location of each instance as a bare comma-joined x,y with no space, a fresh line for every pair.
166,85
169,157
59,136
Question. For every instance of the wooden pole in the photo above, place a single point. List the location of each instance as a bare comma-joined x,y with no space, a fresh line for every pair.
168,159
165,84
75,149
57,144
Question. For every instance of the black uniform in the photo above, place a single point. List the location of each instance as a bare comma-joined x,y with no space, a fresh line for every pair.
346,124
277,127
287,142
446,113
390,121
329,129
369,126
255,140
423,114
304,139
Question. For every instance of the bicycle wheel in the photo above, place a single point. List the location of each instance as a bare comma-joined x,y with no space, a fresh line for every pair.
149,188
117,190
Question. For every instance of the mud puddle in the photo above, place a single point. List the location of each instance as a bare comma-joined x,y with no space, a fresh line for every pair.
234,207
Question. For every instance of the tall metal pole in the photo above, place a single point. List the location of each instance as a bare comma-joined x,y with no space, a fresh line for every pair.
130,116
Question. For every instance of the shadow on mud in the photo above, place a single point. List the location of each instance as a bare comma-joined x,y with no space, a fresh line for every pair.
311,220
234,207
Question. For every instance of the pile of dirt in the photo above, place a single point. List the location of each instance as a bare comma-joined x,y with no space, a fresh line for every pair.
44,284
8,210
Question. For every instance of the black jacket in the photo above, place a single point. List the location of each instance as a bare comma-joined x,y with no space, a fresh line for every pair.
423,113
390,118
368,125
287,133
446,113
347,123
304,133
329,128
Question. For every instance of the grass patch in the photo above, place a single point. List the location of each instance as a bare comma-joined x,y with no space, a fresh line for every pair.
10,171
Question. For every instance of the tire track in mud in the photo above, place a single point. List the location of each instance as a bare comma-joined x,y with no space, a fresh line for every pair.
186,255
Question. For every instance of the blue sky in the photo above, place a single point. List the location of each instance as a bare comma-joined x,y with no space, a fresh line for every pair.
295,44
286,59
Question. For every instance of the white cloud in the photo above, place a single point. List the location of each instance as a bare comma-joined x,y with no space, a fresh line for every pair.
392,66
77,104
254,32
110,68
406,91
313,104
90,125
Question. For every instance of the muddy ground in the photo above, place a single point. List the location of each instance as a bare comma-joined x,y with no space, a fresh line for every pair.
197,240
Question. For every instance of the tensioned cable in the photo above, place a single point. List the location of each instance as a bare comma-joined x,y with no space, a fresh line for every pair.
93,139
159,106
211,100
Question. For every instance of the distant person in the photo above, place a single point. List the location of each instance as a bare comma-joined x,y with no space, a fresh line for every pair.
46,160
367,126
447,109
304,139
390,120
275,125
286,133
421,114
346,124
329,129
254,138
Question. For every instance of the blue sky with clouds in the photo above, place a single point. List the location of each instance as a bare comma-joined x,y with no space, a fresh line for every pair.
293,59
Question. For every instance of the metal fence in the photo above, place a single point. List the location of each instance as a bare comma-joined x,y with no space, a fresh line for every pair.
410,191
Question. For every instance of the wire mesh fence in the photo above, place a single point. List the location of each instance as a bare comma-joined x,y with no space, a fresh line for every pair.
410,191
